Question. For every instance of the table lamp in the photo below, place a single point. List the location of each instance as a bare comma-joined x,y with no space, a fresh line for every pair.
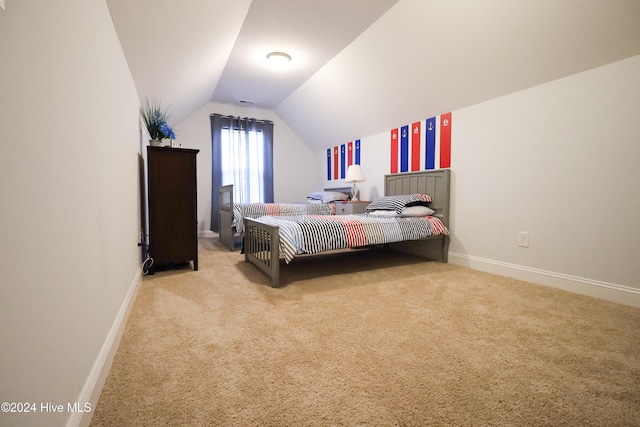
354,174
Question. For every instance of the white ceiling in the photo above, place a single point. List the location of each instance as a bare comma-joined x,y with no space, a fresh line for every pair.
311,31
361,67
191,52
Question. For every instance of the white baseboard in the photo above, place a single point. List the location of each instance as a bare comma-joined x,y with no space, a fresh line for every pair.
101,367
579,285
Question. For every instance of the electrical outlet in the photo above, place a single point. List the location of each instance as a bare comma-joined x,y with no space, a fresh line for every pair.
523,239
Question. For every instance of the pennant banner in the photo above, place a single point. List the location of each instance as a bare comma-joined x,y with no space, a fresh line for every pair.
430,144
445,140
408,143
415,146
340,157
343,161
404,148
394,151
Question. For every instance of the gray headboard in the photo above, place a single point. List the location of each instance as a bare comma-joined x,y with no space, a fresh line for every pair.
435,183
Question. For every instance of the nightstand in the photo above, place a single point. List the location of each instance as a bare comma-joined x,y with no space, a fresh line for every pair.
349,208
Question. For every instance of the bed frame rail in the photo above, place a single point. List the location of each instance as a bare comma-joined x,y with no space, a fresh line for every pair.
262,248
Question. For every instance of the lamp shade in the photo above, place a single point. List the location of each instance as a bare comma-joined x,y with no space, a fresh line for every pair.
354,174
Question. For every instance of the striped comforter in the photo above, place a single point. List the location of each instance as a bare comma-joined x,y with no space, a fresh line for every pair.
313,234
256,210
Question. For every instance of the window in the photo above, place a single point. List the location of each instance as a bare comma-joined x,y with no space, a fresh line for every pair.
242,165
242,155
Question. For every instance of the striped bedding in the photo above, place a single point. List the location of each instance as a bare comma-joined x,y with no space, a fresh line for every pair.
310,234
256,210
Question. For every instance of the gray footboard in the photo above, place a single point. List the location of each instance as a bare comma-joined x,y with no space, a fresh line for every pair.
262,248
225,216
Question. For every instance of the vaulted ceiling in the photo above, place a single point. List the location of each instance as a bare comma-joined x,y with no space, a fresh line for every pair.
361,67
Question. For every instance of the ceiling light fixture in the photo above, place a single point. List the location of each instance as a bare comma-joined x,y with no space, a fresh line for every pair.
279,59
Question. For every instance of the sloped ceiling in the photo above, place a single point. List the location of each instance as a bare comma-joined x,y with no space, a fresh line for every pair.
177,50
361,67
191,52
311,31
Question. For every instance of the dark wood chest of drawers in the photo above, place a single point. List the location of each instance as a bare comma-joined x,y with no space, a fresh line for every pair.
173,213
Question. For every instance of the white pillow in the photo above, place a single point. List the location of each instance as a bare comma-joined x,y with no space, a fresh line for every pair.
417,211
328,196
383,213
396,203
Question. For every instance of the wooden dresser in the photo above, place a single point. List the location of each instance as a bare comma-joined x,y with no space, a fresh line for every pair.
173,213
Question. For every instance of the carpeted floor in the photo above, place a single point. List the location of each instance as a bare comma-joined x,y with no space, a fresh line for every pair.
372,338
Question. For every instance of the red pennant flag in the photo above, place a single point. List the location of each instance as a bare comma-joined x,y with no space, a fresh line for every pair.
336,154
415,146
445,140
394,150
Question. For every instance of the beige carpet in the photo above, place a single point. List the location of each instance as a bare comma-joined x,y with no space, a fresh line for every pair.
369,339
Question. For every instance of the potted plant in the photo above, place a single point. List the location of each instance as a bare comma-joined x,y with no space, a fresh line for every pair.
155,120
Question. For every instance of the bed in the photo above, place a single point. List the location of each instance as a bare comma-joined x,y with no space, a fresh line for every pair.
231,215
268,240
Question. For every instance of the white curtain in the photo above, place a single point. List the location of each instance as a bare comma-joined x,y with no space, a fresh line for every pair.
242,155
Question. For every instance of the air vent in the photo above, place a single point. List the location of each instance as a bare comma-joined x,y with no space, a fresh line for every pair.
244,101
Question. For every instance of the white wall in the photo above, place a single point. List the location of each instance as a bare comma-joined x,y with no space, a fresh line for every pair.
291,157
70,200
561,161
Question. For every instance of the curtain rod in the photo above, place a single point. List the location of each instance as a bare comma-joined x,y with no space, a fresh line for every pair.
240,118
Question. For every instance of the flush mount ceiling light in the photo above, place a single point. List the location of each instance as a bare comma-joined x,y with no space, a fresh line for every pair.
278,59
